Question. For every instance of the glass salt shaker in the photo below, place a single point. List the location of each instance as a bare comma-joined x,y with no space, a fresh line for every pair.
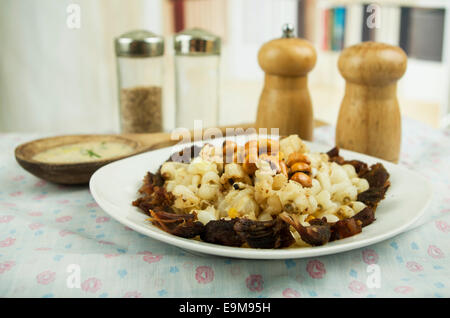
197,57
140,77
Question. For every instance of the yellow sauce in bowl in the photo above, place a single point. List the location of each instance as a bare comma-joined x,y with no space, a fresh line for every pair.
84,152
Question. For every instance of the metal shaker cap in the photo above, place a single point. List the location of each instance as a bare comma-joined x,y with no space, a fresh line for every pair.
139,43
288,30
196,42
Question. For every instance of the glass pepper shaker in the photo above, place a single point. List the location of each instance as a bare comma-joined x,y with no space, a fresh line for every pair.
197,57
140,78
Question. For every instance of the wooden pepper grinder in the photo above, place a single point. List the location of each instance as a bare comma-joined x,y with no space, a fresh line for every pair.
369,118
285,102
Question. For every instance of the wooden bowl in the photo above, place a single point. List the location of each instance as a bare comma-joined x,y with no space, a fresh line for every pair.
69,173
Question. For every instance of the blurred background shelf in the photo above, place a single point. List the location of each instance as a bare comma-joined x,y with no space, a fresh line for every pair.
71,73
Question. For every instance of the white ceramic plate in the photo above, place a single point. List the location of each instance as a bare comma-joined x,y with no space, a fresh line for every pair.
115,186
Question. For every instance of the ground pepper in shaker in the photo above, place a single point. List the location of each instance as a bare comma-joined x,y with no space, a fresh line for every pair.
197,57
140,78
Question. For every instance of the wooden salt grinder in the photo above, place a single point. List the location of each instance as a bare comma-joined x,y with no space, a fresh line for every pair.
369,118
285,102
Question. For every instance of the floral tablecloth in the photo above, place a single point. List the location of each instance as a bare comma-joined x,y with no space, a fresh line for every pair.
56,242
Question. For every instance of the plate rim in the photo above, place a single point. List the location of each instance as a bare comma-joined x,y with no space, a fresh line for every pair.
252,253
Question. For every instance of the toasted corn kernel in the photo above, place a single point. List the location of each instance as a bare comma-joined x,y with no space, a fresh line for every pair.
310,218
300,166
233,213
303,179
297,157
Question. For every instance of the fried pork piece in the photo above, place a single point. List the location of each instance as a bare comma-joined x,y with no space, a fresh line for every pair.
151,182
185,225
360,167
334,153
155,197
352,226
345,228
372,196
377,176
378,179
222,232
264,234
316,234
366,216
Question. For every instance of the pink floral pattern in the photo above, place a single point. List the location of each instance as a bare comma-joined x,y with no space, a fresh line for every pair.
7,242
357,287
291,293
91,285
64,219
370,256
6,218
404,290
316,269
46,277
35,226
105,242
442,226
204,274
132,294
414,266
255,283
102,219
151,258
6,266
111,255
65,233
435,252
40,183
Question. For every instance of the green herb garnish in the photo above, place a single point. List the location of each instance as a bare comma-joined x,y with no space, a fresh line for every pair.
91,153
